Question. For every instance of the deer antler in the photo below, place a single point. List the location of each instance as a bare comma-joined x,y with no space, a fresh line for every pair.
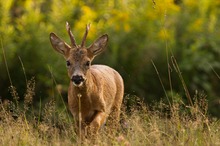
85,35
72,39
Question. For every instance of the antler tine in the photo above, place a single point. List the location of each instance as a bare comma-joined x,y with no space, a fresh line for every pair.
72,39
85,35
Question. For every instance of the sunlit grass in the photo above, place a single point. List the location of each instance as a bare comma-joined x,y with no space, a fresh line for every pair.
172,123
159,124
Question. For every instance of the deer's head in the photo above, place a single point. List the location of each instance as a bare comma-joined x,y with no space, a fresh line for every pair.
78,57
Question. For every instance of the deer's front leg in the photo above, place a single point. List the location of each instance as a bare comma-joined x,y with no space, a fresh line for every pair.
97,122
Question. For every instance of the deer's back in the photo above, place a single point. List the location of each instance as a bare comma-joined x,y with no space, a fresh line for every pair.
107,76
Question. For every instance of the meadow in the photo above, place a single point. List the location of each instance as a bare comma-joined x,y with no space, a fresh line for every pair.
167,52
158,124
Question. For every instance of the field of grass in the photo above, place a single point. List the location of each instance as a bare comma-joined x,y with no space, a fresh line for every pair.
168,122
159,124
171,121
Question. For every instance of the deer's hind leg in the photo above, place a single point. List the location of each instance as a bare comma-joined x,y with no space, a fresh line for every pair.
114,117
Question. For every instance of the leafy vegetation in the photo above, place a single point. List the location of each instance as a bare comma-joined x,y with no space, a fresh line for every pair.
166,50
141,32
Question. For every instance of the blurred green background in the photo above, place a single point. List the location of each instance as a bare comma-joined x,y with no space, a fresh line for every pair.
143,33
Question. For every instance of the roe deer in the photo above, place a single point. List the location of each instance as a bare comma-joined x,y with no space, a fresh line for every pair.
100,87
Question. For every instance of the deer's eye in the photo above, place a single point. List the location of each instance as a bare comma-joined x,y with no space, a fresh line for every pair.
87,63
68,63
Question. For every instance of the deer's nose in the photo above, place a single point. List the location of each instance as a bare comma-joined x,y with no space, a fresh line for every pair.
77,79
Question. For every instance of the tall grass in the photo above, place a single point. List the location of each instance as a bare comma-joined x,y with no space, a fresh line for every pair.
158,124
175,123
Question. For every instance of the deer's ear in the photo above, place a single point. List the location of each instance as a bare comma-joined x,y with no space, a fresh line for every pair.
59,45
98,46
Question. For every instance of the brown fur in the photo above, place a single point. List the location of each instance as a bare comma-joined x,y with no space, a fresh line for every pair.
101,92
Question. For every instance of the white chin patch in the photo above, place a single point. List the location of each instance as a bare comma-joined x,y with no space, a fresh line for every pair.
78,85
